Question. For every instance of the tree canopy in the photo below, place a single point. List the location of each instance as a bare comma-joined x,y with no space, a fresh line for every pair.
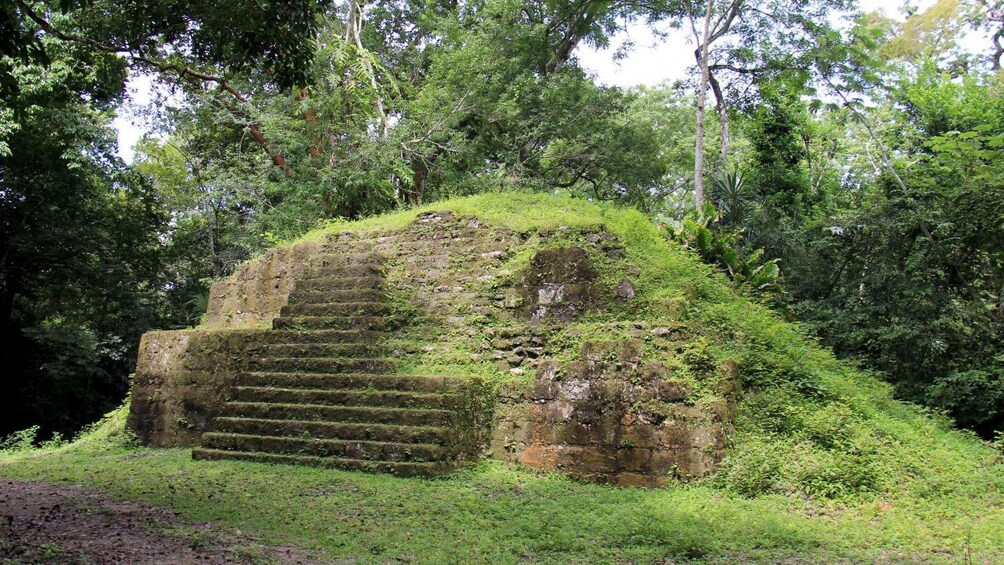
849,175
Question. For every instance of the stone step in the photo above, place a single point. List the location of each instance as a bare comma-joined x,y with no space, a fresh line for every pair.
339,283
336,309
351,258
441,261
347,270
441,233
291,336
323,364
369,350
348,397
401,469
344,414
335,430
349,449
470,246
353,381
366,323
324,296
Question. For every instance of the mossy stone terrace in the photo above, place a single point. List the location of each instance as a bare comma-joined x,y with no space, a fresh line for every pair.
416,348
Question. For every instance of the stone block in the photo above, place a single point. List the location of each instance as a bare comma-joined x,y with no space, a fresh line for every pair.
541,457
641,480
653,371
707,436
665,462
539,434
558,411
609,391
625,290
674,435
672,391
578,434
587,459
640,435
574,390
633,459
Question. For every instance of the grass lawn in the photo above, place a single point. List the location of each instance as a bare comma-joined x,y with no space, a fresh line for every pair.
498,514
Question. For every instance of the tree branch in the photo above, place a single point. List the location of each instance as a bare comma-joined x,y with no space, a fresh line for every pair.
162,67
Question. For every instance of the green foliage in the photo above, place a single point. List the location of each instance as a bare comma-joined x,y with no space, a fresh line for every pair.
276,35
80,271
20,441
908,280
749,273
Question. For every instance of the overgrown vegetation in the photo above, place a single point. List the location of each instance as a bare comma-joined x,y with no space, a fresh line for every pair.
875,221
808,424
952,511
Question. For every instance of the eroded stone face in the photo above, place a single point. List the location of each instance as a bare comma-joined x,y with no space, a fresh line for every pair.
258,290
559,285
610,417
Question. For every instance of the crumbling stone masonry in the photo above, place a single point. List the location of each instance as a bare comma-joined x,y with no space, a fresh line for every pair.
413,350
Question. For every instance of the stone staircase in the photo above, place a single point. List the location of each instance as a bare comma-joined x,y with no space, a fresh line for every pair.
323,390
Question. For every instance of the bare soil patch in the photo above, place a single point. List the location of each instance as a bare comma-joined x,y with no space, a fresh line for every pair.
46,523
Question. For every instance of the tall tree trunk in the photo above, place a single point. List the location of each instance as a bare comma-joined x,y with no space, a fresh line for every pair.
995,15
723,120
353,36
701,54
418,183
314,138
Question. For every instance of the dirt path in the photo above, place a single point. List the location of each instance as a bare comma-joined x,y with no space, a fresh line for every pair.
44,523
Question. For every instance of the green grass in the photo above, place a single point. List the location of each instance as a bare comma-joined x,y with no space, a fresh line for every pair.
824,465
507,210
499,514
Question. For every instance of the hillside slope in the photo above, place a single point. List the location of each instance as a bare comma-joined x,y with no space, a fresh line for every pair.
819,462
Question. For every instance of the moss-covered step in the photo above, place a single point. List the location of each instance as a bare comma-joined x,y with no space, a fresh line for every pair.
369,350
352,381
350,414
348,397
439,233
339,283
324,296
336,309
319,447
335,256
401,468
333,323
413,247
354,270
438,435
324,364
294,336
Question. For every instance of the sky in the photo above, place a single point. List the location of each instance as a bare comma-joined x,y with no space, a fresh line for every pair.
650,61
655,60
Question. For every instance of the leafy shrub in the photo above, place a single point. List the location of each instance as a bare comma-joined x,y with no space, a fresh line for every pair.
20,441
753,467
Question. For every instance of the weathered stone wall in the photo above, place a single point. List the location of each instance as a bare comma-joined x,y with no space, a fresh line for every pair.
256,292
609,417
183,378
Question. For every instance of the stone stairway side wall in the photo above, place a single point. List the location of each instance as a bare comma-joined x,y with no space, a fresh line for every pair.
255,293
182,380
